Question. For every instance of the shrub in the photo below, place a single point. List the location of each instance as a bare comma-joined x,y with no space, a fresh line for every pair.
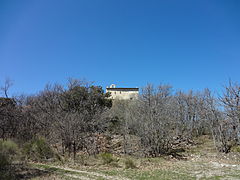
38,150
236,148
107,158
4,161
129,164
8,152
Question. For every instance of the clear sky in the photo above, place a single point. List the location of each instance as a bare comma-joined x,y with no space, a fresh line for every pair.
190,44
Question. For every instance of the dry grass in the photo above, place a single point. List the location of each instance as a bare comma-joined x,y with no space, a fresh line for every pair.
201,162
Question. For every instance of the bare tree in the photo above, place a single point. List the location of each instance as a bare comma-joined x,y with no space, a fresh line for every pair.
6,86
70,115
155,120
231,102
9,113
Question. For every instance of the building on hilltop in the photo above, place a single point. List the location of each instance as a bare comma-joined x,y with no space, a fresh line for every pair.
122,93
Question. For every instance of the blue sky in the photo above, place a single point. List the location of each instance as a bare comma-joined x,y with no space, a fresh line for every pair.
188,44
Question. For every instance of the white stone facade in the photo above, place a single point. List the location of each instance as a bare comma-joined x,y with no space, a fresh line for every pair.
122,93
